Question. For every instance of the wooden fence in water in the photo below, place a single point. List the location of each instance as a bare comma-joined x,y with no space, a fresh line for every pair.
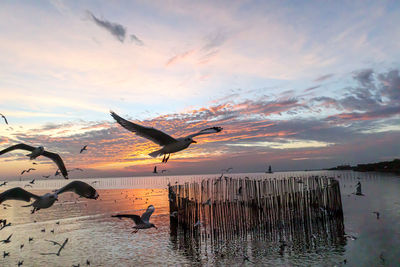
227,207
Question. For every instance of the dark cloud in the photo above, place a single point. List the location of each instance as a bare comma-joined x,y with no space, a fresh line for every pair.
391,86
323,77
136,40
364,77
116,29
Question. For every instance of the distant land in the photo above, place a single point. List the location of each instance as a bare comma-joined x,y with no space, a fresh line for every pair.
384,166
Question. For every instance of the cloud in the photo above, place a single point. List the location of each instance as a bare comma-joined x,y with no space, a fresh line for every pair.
116,29
364,77
323,77
136,40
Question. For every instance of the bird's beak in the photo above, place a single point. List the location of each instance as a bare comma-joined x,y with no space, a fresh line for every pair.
194,142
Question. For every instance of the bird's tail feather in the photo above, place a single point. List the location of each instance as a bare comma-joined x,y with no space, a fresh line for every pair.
156,153
27,205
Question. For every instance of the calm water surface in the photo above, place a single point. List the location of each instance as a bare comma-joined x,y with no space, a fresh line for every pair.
104,241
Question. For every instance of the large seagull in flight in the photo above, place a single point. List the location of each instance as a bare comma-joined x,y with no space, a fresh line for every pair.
169,144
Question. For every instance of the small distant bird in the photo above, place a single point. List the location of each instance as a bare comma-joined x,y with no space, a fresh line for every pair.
21,246
358,189
79,265
47,200
79,169
142,222
227,170
20,263
58,223
4,117
28,170
169,144
52,231
59,250
83,149
4,183
32,182
46,176
34,163
246,258
43,230
27,185
5,254
377,214
155,169
38,151
87,262
30,239
7,240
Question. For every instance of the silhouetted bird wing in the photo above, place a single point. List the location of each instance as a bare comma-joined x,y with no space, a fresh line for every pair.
18,146
57,160
150,133
206,131
146,216
135,218
17,193
54,242
4,117
80,188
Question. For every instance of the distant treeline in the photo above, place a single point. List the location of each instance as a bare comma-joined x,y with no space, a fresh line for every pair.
384,166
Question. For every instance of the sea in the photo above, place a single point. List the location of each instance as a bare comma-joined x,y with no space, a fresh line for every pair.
97,239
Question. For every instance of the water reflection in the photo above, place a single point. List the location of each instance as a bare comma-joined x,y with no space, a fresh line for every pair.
106,241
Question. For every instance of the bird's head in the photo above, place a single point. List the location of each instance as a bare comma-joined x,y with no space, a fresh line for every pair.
152,225
189,140
41,148
54,196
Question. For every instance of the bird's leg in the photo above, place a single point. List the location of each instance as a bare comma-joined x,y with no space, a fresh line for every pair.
135,231
163,160
167,158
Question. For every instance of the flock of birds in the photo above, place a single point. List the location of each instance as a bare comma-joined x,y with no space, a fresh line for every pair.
169,145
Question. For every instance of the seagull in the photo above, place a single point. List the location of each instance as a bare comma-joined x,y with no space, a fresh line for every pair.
4,183
36,152
59,250
32,182
46,176
169,144
28,170
83,149
20,263
377,214
142,222
7,240
47,200
4,117
5,254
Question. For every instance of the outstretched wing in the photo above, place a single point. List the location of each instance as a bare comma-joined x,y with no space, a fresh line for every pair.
135,218
146,216
57,160
150,133
80,188
4,117
17,193
206,131
18,146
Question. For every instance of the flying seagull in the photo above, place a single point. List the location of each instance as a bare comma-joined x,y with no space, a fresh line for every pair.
28,170
83,149
36,152
142,222
48,199
4,117
169,144
59,250
7,240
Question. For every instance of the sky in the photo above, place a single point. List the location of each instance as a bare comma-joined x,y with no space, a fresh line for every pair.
294,84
